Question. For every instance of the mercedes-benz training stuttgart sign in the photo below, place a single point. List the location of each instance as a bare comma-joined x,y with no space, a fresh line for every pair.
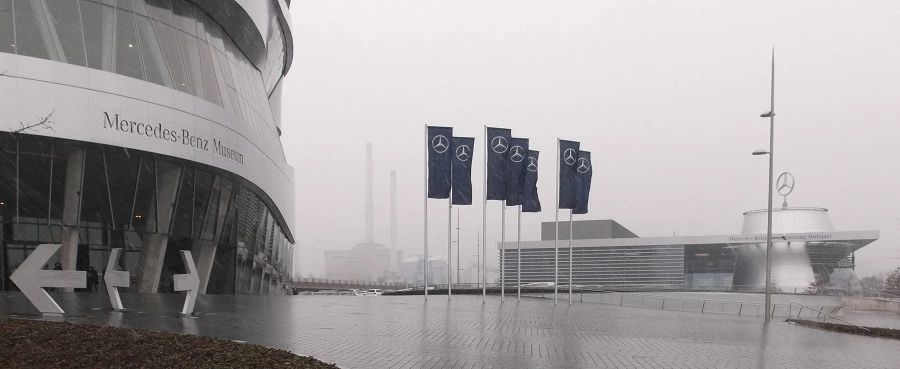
785,184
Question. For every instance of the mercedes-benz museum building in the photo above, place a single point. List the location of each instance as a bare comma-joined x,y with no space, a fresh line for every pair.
151,126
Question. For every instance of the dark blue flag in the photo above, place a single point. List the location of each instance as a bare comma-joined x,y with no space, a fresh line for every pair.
497,148
462,170
568,158
516,160
583,173
530,201
439,155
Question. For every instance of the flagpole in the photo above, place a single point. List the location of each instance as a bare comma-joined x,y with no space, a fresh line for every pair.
519,257
425,265
478,262
570,256
556,232
484,222
449,243
458,243
503,252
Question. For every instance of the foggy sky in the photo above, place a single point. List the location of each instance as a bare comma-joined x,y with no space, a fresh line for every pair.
665,94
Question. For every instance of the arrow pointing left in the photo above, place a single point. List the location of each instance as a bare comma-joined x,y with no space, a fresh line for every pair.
31,279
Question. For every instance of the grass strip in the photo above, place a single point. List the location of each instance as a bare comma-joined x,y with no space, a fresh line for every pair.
843,328
42,344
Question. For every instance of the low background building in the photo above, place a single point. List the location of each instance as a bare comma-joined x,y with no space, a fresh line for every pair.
806,247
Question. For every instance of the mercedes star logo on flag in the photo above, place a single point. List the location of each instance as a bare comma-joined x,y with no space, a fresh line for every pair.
532,164
569,156
517,154
462,152
440,144
499,144
583,165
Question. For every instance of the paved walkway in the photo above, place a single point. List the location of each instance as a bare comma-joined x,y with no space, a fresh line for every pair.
407,332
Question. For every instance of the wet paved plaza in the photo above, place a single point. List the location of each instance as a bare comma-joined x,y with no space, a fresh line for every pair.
407,332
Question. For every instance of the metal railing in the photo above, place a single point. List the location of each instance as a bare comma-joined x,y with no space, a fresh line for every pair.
703,306
821,313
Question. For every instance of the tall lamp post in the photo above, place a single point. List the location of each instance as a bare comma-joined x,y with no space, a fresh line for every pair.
771,115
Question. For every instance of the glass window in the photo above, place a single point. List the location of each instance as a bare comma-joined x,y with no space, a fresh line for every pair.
99,33
184,16
209,75
220,80
33,31
160,10
201,29
191,54
128,51
124,4
172,52
7,34
216,34
67,28
154,62
184,207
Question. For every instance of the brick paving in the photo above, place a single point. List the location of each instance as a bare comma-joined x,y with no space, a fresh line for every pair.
407,332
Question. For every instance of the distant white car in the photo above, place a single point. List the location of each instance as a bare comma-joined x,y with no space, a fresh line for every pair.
361,293
374,292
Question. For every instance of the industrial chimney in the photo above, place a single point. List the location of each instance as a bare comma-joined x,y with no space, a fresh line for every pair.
370,203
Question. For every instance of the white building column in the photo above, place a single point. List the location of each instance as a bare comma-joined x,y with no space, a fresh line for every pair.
68,253
204,251
156,234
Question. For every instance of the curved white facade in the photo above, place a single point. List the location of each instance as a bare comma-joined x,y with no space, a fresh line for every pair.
189,84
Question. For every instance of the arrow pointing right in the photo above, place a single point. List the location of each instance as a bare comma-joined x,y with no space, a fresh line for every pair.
188,282
31,279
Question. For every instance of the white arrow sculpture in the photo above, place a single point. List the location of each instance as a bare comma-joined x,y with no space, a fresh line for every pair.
115,278
188,282
31,279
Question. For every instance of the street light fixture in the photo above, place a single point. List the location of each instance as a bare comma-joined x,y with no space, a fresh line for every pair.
771,115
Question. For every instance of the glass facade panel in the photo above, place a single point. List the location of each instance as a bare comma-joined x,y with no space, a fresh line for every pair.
7,32
66,27
99,33
169,43
154,63
128,50
184,17
191,54
209,75
33,31
160,11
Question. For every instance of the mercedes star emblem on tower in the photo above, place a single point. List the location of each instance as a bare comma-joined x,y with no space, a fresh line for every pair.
583,165
569,156
462,152
517,154
785,184
532,164
499,144
440,144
